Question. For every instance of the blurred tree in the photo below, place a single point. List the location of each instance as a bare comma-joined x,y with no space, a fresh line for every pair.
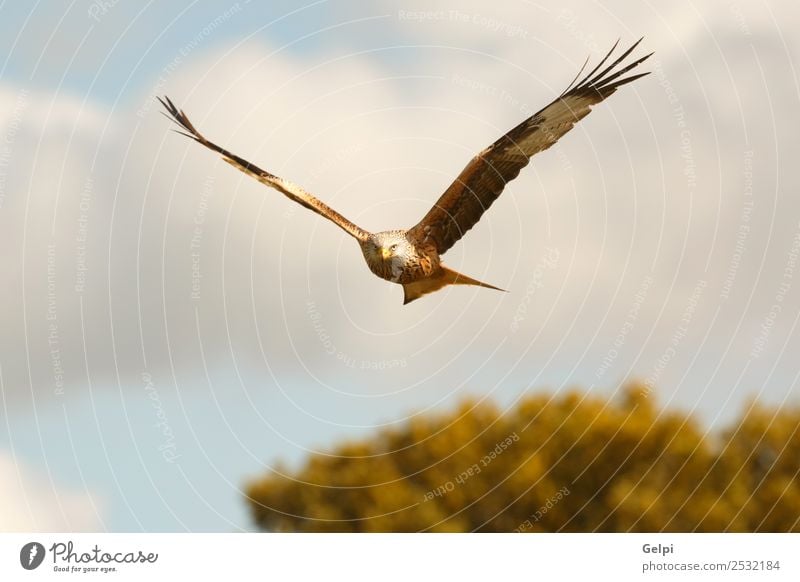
573,462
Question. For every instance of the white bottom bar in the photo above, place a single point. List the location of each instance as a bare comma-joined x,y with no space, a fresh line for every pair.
401,557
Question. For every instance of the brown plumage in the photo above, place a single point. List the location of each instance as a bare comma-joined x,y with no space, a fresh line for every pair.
411,257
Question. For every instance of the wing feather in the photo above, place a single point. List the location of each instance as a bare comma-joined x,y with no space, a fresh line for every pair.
483,179
289,189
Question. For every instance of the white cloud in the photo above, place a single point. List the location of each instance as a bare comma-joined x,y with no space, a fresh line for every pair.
31,502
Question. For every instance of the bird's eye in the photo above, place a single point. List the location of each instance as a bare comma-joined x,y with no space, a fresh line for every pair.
393,248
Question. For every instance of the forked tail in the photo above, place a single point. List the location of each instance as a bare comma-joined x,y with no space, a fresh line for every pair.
443,278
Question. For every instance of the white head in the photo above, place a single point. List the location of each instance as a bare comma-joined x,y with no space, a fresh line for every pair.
388,245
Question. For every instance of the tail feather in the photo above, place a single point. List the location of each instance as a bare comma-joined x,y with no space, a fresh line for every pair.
443,278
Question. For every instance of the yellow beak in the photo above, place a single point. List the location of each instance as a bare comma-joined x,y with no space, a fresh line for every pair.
385,253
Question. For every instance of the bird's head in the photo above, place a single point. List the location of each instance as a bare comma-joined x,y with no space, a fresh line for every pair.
387,245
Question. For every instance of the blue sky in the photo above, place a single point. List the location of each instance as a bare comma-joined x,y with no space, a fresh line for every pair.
652,243
101,52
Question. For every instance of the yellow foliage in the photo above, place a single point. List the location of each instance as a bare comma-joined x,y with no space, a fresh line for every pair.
572,462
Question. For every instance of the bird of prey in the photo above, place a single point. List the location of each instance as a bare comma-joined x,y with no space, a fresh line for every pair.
412,257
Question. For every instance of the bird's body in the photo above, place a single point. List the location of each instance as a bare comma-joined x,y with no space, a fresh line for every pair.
412,257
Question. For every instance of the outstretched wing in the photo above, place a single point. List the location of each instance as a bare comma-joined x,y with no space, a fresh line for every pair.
291,190
484,178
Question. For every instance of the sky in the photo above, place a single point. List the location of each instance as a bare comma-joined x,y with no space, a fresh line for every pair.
172,330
